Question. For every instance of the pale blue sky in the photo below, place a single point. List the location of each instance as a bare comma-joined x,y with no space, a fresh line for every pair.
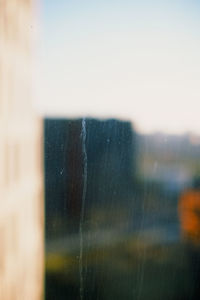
136,60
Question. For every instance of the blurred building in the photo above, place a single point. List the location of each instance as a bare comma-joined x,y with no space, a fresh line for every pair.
21,203
111,167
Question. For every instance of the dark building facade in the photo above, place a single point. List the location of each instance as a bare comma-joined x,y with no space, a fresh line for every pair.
111,166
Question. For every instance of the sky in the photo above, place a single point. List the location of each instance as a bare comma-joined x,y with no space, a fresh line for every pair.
135,60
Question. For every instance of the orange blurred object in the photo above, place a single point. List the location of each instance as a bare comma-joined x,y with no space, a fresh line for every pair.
189,212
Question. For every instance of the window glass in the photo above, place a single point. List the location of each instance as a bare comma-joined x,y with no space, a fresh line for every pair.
119,95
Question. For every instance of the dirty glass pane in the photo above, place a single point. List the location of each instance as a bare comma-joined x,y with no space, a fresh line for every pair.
119,96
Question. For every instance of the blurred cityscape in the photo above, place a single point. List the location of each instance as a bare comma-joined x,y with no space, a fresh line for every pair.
91,208
126,238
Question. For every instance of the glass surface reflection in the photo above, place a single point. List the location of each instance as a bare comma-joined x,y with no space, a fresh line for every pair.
122,211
